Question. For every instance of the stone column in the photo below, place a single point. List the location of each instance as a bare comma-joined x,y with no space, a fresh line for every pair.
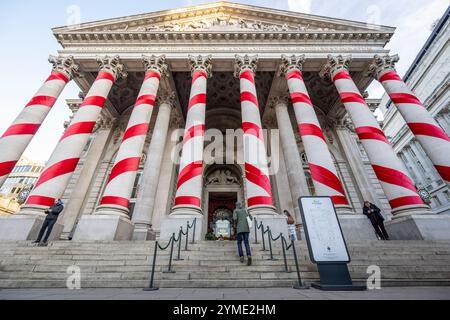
111,218
17,137
351,152
295,174
257,180
78,196
323,172
190,179
427,131
389,169
143,210
64,159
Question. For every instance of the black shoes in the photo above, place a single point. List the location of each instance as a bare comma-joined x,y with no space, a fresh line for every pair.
242,259
249,262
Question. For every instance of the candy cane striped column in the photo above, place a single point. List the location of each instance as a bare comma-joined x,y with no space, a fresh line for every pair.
391,173
119,188
190,178
62,163
323,172
259,191
430,135
18,136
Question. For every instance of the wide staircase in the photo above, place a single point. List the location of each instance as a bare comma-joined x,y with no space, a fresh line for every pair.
211,264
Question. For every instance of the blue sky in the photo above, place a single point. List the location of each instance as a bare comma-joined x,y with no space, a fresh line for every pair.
27,40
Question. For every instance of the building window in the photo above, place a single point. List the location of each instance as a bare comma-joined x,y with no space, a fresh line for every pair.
310,183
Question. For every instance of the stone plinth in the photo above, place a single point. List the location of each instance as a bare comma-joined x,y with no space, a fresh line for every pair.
356,228
268,216
22,227
179,218
420,227
103,228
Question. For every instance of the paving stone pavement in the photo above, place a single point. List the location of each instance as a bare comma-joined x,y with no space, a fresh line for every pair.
398,293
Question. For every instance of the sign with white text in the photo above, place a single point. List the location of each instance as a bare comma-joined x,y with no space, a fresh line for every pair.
326,242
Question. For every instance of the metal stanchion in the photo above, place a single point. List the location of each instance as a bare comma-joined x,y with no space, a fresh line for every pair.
300,285
150,286
180,234
169,269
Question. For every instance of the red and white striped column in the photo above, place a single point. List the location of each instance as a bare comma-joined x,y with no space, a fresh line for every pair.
430,135
190,178
259,191
323,171
62,163
391,172
119,188
17,137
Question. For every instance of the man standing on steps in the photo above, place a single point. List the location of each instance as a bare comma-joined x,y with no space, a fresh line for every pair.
377,219
243,231
52,216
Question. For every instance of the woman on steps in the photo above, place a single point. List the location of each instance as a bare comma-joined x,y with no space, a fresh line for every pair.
243,231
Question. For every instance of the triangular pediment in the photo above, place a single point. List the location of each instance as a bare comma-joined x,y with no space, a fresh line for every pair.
223,17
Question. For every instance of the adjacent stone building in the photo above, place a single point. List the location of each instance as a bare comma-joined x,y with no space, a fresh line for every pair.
429,77
14,191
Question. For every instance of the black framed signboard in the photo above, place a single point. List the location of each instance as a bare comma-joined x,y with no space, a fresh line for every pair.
326,243
323,231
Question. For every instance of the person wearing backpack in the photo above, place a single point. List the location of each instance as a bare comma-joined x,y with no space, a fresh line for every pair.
242,218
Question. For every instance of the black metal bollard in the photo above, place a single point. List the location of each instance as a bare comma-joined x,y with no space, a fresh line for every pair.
169,269
283,246
256,232
150,286
180,234
262,236
300,283
187,237
193,234
269,232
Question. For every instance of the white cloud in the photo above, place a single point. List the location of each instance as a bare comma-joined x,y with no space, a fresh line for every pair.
303,6
412,31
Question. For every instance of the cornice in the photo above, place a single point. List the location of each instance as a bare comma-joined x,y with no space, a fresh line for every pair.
126,37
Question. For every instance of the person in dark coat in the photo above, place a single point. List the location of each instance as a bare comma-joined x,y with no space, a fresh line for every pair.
243,232
377,219
52,216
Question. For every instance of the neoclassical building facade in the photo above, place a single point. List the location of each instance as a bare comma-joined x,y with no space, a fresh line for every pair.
185,112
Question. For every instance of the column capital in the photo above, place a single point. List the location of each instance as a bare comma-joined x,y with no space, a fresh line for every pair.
244,63
382,64
202,63
112,65
65,65
335,64
166,97
155,63
281,100
291,63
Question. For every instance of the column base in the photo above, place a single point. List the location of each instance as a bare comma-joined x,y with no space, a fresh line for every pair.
26,227
179,217
411,210
344,210
419,227
103,228
112,210
357,228
143,232
270,218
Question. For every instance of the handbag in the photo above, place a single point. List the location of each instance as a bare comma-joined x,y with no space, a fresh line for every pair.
249,222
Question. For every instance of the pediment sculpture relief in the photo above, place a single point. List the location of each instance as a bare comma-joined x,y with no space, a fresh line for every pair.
224,22
222,177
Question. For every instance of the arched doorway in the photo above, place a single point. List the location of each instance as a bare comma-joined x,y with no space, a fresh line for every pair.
223,188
